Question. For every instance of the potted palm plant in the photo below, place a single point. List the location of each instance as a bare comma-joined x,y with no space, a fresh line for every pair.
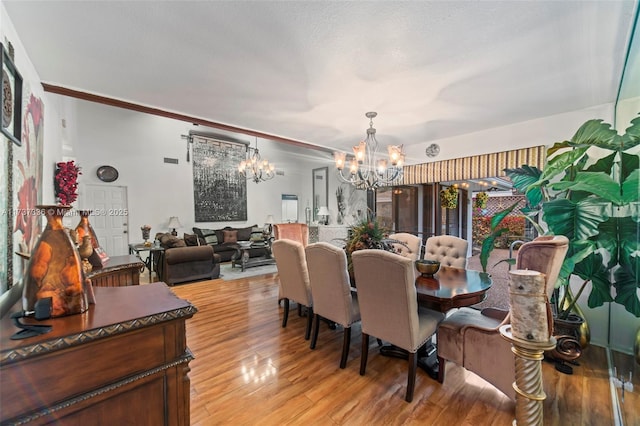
588,191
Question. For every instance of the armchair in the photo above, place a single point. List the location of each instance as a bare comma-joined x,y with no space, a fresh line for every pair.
471,338
292,231
182,264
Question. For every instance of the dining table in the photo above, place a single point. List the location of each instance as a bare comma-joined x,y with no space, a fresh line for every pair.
447,289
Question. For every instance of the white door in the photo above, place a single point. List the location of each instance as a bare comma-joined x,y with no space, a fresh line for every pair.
110,217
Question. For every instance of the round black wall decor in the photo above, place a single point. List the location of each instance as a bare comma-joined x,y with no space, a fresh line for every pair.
107,173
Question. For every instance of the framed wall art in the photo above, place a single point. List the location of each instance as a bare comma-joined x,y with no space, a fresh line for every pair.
11,99
219,190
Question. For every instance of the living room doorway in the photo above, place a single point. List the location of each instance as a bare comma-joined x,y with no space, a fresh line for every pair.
110,217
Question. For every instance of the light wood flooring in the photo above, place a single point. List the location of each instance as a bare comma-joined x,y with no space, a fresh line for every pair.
248,370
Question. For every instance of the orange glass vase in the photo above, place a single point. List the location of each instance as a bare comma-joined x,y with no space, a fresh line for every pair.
84,228
54,269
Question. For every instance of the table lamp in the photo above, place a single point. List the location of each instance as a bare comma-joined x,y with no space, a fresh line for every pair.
173,224
268,225
324,212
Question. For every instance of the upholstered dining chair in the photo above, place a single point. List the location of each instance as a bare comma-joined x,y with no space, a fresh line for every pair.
471,337
292,231
331,292
389,307
448,250
410,246
294,278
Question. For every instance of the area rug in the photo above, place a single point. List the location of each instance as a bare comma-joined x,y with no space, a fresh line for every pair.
228,273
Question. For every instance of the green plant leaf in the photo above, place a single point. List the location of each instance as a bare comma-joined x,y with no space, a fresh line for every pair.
626,285
576,221
498,217
628,164
631,138
592,269
487,247
631,187
628,237
560,163
597,183
604,164
596,133
558,146
523,179
581,251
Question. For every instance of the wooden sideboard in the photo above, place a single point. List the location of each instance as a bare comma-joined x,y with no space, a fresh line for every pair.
124,361
118,271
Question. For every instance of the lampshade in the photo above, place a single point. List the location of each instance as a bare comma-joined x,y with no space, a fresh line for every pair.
173,224
323,211
270,219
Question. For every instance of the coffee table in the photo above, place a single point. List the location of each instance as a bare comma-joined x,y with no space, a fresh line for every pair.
243,259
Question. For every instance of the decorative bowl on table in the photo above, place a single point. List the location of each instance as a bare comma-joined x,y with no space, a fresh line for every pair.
427,267
245,244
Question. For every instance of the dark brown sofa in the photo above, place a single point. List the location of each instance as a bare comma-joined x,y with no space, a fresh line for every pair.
180,263
225,241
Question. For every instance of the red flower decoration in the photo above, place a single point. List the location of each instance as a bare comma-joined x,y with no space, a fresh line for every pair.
66,182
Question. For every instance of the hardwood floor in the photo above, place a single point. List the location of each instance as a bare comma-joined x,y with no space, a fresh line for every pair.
249,370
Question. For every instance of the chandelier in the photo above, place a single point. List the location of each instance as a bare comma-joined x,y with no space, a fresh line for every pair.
366,170
255,168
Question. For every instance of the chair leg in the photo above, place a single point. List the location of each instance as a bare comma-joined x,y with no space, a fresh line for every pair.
364,354
441,363
307,331
411,379
299,310
346,342
286,312
316,328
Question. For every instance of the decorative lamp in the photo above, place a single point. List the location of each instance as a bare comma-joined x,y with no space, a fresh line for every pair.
255,168
324,212
268,225
366,169
173,224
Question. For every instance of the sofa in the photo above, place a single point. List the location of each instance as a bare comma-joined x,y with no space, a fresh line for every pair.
180,262
225,241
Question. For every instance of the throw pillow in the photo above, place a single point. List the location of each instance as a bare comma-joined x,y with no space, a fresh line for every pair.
207,236
256,234
244,234
230,236
191,240
169,241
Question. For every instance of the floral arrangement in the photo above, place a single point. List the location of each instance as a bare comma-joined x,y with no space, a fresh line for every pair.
449,197
481,200
368,234
66,182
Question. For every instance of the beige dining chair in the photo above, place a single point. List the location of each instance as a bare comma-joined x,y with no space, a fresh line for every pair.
291,231
331,292
471,337
389,307
410,245
294,279
448,250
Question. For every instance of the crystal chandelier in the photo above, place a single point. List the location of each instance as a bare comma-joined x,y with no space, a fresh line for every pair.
255,168
366,170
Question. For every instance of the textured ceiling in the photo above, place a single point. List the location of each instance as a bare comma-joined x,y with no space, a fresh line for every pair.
309,71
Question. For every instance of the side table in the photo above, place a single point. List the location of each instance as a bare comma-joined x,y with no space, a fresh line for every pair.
154,253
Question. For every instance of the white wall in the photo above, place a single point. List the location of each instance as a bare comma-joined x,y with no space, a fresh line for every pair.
136,144
542,131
